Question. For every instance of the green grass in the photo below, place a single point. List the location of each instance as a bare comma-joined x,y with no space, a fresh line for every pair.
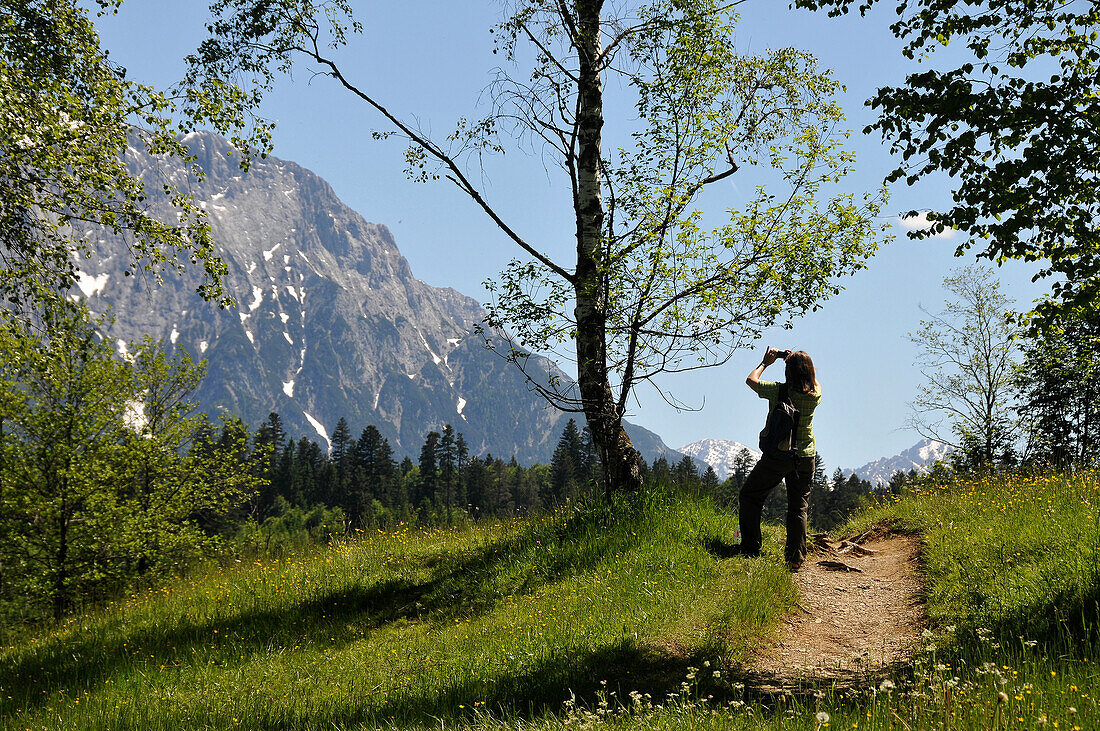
411,627
619,616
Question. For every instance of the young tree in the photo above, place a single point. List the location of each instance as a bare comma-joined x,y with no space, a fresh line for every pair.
967,360
67,398
67,122
1013,126
163,422
218,482
654,287
98,481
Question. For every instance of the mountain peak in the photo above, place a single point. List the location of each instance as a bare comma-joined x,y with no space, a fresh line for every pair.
721,454
919,457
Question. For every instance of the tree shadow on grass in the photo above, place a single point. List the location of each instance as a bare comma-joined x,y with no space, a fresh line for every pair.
531,692
459,585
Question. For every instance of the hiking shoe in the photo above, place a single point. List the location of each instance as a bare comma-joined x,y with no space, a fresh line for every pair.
794,566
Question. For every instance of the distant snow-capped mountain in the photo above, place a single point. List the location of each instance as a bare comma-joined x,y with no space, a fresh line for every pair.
918,457
722,453
718,453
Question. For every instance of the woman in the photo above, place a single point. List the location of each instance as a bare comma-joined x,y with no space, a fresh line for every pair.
797,471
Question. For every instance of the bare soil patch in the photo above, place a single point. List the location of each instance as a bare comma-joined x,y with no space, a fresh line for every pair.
860,613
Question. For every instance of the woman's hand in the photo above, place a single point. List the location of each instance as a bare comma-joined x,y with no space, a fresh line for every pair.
774,354
770,356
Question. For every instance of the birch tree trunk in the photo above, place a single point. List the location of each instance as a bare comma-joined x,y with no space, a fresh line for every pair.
620,460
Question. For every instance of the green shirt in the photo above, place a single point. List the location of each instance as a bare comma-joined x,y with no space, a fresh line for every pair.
804,402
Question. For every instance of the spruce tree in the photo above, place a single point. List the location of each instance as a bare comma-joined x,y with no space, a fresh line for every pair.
710,481
270,439
662,473
819,496
685,473
563,474
340,491
428,489
447,455
591,471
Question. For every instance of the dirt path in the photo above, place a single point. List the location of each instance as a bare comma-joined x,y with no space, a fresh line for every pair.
860,612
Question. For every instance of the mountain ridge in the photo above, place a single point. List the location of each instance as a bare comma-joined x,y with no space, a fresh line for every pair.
330,320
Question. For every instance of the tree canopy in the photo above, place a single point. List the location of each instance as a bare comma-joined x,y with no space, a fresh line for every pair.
655,285
1014,126
1058,384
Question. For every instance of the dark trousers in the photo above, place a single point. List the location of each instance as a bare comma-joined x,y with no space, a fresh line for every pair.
798,473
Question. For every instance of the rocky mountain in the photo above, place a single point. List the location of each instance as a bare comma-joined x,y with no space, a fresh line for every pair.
718,453
918,457
330,320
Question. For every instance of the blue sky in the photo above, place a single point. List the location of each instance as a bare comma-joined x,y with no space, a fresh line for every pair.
432,59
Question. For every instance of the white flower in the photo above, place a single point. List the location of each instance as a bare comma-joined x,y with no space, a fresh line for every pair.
822,717
887,685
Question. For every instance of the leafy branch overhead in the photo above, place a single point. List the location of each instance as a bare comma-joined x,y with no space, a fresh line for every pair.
68,116
1015,128
657,285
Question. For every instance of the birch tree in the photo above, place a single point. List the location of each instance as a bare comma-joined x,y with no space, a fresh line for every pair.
654,285
967,358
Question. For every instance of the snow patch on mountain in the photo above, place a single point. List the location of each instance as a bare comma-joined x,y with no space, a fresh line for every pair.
718,453
319,428
91,285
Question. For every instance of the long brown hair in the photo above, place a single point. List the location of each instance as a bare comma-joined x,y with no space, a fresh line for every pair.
800,373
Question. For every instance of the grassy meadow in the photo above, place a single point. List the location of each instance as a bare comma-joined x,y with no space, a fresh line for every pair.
627,615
